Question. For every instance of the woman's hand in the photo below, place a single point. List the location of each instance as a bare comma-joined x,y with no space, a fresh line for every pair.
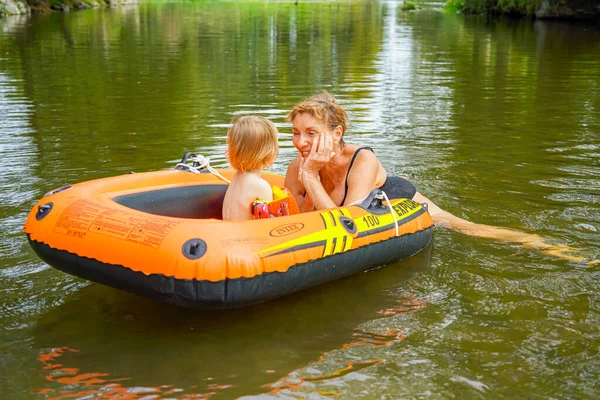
321,153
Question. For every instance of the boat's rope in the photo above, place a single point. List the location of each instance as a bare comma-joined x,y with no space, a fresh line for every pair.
203,162
391,210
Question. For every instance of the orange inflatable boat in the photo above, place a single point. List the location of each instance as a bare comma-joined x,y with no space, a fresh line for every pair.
160,235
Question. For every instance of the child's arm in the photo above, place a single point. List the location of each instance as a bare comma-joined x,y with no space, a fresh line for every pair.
262,191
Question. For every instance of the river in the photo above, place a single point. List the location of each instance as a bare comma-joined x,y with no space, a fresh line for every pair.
497,121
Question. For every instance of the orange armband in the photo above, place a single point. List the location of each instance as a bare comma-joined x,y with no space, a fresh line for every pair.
283,204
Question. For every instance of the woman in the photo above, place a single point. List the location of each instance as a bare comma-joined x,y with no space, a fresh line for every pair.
329,173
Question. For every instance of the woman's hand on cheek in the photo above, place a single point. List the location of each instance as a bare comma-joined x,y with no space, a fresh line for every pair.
321,153
303,173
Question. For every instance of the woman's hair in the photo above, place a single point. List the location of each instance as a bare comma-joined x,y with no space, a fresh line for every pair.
252,143
323,107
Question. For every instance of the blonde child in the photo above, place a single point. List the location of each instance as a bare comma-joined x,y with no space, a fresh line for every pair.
252,146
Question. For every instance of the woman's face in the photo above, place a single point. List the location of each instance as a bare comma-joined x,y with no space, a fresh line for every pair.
306,130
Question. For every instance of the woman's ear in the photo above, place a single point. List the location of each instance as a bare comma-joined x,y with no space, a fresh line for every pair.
337,132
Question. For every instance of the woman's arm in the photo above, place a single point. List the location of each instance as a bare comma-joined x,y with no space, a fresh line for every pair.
294,185
319,197
362,178
320,155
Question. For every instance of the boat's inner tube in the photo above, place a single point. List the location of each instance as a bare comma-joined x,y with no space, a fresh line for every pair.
160,235
197,202
205,202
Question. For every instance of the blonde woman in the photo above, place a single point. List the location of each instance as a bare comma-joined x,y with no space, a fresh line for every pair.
328,173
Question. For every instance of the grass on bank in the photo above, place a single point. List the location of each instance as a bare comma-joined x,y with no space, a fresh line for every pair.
506,7
408,6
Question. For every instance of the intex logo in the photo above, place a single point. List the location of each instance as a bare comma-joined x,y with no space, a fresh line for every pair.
286,229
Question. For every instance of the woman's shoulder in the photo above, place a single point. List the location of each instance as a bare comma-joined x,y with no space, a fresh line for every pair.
293,168
359,152
294,164
364,162
291,178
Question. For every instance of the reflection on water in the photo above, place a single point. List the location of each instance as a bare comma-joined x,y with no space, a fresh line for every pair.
96,384
240,350
19,157
496,120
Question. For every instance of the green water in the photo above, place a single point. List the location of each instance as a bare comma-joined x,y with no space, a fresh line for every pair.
496,121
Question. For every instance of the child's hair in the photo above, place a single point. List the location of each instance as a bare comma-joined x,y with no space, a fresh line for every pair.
323,107
252,143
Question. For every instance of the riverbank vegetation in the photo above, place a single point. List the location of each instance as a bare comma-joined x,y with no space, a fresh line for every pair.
563,9
16,7
408,6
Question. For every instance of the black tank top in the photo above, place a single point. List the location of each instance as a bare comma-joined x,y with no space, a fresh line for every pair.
350,167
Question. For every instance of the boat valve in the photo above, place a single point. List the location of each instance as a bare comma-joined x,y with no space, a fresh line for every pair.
194,248
43,210
348,224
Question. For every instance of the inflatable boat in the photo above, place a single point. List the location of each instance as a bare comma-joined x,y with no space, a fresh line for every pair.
160,235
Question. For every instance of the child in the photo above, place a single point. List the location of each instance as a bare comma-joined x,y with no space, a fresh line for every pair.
252,146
